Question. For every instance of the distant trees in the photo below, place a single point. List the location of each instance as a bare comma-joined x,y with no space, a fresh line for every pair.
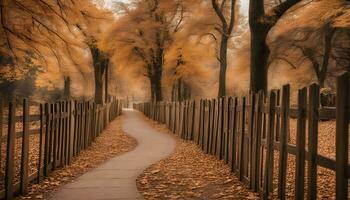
320,44
48,29
18,81
227,20
145,33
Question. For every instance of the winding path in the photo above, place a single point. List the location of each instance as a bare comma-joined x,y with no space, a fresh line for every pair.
116,179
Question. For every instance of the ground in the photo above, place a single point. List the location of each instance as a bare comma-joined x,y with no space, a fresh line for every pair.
191,174
112,142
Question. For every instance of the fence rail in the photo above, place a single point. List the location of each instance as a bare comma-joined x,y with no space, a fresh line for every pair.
245,132
63,128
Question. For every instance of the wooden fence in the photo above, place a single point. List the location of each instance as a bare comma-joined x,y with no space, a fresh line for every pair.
63,130
245,132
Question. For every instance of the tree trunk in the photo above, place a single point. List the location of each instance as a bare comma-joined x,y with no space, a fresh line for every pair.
156,88
106,83
223,65
179,90
258,61
66,92
98,85
260,24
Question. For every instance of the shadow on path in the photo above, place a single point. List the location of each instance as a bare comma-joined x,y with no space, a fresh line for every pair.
116,179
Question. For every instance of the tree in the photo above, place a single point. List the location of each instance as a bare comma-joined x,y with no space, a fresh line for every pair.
93,25
48,29
260,24
225,30
144,33
312,42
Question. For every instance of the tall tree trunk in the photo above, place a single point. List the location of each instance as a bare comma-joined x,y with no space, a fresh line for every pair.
179,90
67,83
156,88
260,24
258,62
227,24
98,85
100,62
223,65
106,83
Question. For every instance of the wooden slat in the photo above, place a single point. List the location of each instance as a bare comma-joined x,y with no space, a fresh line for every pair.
269,151
10,153
219,132
55,137
300,145
256,149
314,92
25,148
234,133
41,141
47,140
342,136
284,132
241,138
1,127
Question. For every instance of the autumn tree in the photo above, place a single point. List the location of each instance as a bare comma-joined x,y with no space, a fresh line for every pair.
261,22
227,20
48,29
313,42
144,34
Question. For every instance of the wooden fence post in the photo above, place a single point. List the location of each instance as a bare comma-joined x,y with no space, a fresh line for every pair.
41,140
10,157
241,138
47,139
269,146
314,92
251,111
284,132
55,137
300,146
234,134
220,130
256,149
342,136
1,127
25,148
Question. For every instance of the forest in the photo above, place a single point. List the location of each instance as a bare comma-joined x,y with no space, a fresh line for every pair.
256,91
170,50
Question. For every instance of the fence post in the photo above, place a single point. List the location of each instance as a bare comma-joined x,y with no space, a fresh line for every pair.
1,127
314,92
256,149
269,146
70,131
25,148
234,132
300,146
284,132
47,136
220,129
241,138
41,134
342,136
251,111
10,161
55,137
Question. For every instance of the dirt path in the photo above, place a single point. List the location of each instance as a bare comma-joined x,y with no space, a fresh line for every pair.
116,179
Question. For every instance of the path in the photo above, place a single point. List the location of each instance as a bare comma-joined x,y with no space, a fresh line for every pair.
116,179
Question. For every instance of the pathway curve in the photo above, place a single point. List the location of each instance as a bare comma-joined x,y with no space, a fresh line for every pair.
116,179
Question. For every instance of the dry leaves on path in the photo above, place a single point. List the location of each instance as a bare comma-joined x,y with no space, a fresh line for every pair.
191,174
113,141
